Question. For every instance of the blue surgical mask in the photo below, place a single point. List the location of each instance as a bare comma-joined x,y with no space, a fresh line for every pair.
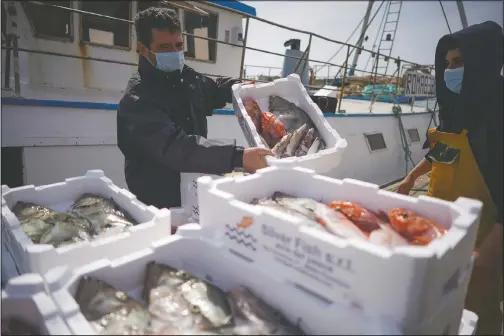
170,61
453,79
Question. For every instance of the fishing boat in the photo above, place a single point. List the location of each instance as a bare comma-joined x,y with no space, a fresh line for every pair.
63,77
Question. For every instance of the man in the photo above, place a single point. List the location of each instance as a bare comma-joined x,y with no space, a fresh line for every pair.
466,152
161,119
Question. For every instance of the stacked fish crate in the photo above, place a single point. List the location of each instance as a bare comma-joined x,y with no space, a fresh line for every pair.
337,256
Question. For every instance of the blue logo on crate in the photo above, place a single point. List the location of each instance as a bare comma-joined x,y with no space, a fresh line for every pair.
239,233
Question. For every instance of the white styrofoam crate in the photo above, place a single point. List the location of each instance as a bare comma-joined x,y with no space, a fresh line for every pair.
25,298
189,193
468,323
226,268
292,89
9,269
179,217
406,284
39,258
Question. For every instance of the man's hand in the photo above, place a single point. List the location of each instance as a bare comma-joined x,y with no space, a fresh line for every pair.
254,158
406,185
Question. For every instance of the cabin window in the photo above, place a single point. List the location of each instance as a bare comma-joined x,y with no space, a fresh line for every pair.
199,25
143,5
50,22
375,141
413,135
105,32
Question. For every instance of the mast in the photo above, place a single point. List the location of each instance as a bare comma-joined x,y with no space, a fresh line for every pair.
462,13
361,37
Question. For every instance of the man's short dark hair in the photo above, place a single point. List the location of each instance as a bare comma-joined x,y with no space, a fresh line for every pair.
154,17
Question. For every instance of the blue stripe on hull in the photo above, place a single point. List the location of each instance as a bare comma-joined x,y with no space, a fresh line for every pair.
113,107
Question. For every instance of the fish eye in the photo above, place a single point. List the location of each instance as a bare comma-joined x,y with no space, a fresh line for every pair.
195,309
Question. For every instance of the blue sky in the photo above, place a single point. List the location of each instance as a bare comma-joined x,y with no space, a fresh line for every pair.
421,24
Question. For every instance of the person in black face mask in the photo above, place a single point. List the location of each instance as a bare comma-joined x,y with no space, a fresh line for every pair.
161,119
465,157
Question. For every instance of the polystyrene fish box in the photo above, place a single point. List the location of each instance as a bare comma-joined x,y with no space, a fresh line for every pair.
39,258
219,263
25,299
292,89
406,284
189,193
468,323
9,269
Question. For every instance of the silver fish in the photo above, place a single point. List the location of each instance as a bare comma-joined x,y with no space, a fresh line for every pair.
314,147
306,142
321,146
111,311
15,326
103,213
336,223
280,147
210,300
261,318
66,229
183,301
288,113
386,236
45,226
295,140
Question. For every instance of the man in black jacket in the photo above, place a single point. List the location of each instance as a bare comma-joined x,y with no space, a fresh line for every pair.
161,119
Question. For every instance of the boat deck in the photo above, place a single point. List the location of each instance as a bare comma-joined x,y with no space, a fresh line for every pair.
420,187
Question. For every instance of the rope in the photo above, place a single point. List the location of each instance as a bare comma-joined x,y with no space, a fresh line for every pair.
444,14
407,153
376,37
360,37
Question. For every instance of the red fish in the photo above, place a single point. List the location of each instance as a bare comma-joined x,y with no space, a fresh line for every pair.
416,229
254,112
273,129
364,219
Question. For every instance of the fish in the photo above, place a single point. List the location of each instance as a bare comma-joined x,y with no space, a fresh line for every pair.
288,113
103,213
111,311
211,302
15,326
301,205
416,229
183,301
322,145
46,226
364,219
257,316
336,223
314,147
295,140
254,112
280,147
273,129
387,236
306,142
66,229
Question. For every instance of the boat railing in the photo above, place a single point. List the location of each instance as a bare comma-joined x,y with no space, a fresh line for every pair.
10,45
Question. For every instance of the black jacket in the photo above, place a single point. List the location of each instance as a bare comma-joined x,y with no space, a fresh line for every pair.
161,130
478,107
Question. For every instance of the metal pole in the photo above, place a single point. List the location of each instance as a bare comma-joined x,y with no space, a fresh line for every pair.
307,57
303,57
7,63
462,13
244,48
15,54
343,82
361,36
